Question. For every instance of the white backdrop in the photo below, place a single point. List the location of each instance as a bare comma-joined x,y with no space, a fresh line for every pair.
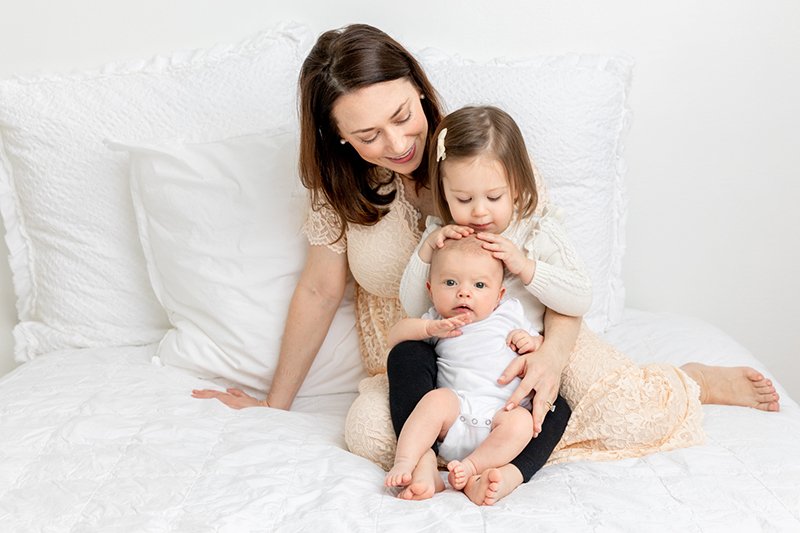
713,155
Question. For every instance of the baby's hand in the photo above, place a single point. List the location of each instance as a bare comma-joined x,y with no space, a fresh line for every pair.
522,342
512,257
446,327
451,231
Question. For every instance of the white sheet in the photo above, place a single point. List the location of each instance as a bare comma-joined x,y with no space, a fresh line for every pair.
102,440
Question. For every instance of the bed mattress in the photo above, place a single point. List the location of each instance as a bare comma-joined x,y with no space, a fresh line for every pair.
105,440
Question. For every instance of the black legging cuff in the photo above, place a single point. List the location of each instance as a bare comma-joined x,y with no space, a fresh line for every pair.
533,457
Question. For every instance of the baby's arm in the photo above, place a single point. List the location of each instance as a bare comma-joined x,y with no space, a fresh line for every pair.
522,342
417,329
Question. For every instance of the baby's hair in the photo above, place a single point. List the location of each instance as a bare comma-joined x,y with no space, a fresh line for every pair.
472,131
467,245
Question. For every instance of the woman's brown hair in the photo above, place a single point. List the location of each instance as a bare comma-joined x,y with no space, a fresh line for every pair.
472,131
342,61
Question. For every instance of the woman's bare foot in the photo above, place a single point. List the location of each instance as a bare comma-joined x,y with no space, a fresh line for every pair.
425,479
400,474
460,472
492,485
739,385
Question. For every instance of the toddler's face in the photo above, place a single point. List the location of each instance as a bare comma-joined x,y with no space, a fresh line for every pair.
478,193
470,283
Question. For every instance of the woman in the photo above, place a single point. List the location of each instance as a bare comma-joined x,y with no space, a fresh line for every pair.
367,115
367,112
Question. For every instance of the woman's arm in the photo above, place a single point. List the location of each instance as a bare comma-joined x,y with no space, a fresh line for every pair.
314,303
541,370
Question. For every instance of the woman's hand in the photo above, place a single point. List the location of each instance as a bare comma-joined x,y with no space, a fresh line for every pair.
233,398
540,372
512,257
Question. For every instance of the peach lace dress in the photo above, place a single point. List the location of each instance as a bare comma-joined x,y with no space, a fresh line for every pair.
377,256
620,410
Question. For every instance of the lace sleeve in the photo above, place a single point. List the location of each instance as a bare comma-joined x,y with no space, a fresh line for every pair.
322,227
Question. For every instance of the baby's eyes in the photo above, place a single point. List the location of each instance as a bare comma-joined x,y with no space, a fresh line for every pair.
450,282
480,285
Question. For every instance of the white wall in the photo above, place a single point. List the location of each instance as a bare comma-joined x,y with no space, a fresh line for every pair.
713,154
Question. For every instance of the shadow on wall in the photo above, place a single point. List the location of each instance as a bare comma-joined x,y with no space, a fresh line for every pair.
8,311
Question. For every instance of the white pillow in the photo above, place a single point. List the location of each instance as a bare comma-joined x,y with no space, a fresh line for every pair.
76,260
573,113
220,227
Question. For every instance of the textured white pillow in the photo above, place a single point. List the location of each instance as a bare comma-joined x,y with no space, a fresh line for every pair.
220,227
76,260
573,113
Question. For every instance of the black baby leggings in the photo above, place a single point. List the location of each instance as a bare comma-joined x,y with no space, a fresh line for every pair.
411,369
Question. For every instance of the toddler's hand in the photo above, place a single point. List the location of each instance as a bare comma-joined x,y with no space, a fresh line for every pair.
514,259
523,342
451,231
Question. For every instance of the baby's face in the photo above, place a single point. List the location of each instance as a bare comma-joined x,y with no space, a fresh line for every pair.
466,282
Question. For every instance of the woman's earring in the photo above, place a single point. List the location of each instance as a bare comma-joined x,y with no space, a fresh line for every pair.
422,97
342,141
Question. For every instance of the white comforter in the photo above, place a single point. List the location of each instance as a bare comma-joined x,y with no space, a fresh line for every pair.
103,440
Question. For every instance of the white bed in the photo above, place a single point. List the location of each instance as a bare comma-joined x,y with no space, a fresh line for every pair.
103,440
140,203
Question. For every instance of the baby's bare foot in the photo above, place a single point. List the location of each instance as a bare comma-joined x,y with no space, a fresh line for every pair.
425,479
400,474
486,488
740,385
460,472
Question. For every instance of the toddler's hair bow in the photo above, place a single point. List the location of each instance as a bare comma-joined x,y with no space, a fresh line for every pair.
440,153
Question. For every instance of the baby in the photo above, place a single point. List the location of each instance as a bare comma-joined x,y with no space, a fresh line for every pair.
476,334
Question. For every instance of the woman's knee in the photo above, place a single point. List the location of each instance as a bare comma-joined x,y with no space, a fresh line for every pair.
368,427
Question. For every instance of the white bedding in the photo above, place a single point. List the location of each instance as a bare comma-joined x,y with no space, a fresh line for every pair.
104,440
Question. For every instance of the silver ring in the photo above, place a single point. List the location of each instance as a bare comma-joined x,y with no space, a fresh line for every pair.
551,406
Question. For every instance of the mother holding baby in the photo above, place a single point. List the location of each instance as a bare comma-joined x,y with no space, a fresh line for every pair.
367,115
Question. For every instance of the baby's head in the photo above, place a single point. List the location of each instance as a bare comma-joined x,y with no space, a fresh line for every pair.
465,278
481,173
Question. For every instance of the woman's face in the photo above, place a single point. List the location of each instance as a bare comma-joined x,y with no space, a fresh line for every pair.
385,124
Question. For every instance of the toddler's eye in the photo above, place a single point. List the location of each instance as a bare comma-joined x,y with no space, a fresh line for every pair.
494,198
450,282
463,200
480,285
